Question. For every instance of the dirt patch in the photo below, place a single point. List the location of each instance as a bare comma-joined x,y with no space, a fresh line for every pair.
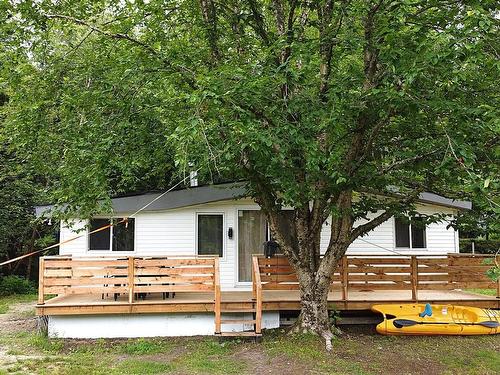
258,362
19,318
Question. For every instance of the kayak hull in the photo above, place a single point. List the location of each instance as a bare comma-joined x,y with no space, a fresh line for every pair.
445,320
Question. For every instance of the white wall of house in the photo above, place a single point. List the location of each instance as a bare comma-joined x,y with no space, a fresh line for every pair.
173,232
149,325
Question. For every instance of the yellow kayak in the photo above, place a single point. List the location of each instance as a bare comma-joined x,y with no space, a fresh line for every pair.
426,319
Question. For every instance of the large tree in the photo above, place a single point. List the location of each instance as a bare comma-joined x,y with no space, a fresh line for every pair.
342,110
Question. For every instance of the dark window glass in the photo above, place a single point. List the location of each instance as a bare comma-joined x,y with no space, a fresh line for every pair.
402,233
417,233
210,234
99,240
123,235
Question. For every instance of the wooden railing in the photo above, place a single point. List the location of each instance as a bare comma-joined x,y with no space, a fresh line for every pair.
130,276
257,294
371,272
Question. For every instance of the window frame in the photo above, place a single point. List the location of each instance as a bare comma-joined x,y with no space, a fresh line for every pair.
110,251
196,222
409,236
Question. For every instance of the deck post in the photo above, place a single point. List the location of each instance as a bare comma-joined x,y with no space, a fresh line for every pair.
131,277
345,278
414,278
258,296
41,274
217,297
498,290
254,287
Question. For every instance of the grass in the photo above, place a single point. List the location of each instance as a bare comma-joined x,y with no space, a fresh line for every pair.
7,301
487,292
143,346
133,356
354,353
358,351
135,366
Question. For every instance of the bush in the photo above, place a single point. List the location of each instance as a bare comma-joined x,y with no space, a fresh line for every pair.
15,285
480,246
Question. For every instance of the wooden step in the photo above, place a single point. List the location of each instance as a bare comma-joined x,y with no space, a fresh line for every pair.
238,321
237,311
238,334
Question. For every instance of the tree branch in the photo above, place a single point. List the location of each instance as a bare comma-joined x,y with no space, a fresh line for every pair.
104,32
400,163
372,224
328,32
210,17
259,27
361,230
188,74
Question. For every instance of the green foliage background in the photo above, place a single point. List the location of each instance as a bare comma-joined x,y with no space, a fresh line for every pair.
110,97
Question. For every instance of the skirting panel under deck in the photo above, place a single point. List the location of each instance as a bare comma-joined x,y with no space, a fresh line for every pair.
148,325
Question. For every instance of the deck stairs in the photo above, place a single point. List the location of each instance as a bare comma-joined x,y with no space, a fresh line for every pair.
229,310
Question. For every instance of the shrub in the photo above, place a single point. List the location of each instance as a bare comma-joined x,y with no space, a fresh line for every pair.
480,246
15,285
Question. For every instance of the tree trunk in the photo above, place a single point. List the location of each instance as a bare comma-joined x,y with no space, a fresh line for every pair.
300,241
314,316
28,268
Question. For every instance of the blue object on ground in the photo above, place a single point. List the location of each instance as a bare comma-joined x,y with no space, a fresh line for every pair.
427,311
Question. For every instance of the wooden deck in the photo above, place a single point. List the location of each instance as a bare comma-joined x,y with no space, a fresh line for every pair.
103,285
242,300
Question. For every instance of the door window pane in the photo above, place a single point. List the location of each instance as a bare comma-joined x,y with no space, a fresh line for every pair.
210,234
99,240
251,238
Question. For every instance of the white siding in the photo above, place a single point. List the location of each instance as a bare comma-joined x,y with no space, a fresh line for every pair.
72,229
172,232
381,240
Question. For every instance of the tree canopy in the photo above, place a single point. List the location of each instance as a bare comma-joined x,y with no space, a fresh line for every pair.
328,107
20,189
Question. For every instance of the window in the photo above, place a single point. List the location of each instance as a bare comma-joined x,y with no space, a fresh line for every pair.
100,240
119,237
410,234
210,234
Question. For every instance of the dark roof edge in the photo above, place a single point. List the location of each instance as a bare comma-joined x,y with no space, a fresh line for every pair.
443,201
213,193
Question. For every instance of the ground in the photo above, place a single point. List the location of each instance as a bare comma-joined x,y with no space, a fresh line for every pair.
358,351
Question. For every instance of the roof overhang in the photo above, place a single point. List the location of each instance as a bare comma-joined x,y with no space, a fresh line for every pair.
174,199
443,201
213,193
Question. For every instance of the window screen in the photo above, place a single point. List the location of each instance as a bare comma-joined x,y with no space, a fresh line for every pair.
210,234
410,235
101,239
402,233
417,233
123,235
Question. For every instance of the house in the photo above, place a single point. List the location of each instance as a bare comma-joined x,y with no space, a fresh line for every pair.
219,220
215,221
